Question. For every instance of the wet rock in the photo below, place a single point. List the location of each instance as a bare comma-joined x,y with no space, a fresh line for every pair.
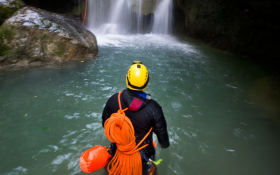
35,35
73,8
264,94
247,27
144,6
12,3
8,8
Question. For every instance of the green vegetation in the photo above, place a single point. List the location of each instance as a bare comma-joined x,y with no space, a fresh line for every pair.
5,34
6,12
60,49
43,40
16,3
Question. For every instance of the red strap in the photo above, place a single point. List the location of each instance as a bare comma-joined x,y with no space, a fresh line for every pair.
135,105
85,13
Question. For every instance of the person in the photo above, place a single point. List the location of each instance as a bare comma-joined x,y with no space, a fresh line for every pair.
143,112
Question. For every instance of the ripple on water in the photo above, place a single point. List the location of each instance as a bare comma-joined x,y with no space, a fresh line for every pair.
59,159
241,133
18,170
74,164
94,115
74,116
94,126
176,105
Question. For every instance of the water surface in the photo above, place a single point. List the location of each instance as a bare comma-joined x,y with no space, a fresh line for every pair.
221,119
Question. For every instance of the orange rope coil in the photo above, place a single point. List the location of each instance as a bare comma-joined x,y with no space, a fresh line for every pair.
119,130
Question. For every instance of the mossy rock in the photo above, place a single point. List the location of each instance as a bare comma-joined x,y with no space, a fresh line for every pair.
35,35
8,8
5,34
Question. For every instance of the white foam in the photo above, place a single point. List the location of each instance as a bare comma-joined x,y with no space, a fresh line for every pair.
61,158
147,40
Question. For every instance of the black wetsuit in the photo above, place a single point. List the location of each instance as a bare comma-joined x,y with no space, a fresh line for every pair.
144,113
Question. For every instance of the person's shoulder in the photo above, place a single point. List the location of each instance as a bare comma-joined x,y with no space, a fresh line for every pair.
113,97
154,102
154,105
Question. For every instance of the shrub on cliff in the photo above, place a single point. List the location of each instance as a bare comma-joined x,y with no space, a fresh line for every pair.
5,34
8,8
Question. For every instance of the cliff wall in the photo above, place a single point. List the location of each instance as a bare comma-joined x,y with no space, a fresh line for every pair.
247,27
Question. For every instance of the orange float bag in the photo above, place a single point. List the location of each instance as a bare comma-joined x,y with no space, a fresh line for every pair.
94,158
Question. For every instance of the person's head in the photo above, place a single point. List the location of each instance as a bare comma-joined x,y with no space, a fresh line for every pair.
137,77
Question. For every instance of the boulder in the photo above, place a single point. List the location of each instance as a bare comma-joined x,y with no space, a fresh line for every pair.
8,8
35,35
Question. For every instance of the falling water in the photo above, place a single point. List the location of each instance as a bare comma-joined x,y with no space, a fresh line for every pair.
127,16
109,16
97,13
140,18
163,18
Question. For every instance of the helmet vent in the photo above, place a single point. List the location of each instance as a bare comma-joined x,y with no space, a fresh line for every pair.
138,66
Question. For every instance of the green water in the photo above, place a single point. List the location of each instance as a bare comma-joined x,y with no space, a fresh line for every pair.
221,118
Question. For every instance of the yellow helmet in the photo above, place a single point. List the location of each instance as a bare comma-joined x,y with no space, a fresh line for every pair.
137,77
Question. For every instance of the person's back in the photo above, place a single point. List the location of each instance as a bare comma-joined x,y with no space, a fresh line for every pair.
144,112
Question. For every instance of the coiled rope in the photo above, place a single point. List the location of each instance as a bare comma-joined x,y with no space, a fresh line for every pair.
119,130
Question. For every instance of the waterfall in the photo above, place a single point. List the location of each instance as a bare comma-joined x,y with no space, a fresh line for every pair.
139,18
109,16
163,18
97,13
127,16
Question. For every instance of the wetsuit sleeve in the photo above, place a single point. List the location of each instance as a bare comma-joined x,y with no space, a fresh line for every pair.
160,128
111,107
106,113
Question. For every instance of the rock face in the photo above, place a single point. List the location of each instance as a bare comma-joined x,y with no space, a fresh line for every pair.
35,35
70,6
73,8
147,6
8,8
248,27
12,3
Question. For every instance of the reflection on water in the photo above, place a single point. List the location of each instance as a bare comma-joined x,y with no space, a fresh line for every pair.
214,104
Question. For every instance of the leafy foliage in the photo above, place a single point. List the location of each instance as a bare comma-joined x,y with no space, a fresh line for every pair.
5,34
6,12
